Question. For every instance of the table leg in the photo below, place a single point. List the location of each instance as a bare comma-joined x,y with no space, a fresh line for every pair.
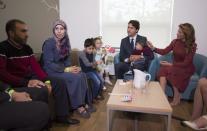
109,119
169,122
135,123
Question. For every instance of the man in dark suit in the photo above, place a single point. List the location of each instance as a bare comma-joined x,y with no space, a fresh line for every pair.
126,48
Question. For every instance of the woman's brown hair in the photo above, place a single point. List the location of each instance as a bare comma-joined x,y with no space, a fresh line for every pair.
189,34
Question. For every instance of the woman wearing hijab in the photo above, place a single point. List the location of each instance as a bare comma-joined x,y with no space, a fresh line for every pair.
56,62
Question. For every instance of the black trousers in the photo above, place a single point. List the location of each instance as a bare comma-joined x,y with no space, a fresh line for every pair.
37,94
120,69
26,116
33,116
61,98
59,92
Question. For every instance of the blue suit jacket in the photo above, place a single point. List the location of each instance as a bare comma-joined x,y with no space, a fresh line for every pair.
126,48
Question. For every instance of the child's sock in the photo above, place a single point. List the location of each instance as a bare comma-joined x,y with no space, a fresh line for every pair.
107,80
104,88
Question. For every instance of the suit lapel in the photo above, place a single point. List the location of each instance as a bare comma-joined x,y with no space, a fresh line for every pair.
138,38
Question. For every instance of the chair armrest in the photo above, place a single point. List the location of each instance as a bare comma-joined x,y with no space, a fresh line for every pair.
116,59
153,67
203,72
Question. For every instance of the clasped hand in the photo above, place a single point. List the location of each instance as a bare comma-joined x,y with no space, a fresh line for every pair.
133,58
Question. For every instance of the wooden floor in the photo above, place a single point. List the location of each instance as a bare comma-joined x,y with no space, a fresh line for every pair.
124,121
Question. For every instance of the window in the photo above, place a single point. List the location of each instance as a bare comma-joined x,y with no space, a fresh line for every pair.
154,17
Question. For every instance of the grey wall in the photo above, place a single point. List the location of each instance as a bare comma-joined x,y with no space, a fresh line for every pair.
35,13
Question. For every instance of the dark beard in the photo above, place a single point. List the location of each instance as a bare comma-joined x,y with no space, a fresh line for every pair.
20,41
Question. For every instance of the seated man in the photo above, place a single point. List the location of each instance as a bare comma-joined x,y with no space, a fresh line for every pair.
12,111
19,68
126,48
198,121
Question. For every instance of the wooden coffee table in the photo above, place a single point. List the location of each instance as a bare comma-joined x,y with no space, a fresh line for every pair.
152,101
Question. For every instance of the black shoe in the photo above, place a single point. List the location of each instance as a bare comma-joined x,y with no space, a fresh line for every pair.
68,121
73,121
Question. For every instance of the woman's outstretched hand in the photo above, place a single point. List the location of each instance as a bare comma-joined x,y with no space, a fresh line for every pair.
150,45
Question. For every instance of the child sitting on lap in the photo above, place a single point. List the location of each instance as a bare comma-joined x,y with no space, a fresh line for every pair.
141,57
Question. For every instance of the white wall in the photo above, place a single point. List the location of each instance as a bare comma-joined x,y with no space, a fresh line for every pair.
194,12
82,18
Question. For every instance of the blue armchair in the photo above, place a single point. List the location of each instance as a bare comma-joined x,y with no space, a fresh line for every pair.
200,63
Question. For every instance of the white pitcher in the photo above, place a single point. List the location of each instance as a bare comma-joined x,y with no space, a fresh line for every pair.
140,78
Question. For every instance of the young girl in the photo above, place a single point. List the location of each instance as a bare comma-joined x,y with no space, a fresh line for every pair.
101,56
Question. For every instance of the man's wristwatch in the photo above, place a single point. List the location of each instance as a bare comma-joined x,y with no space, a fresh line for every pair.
9,91
47,82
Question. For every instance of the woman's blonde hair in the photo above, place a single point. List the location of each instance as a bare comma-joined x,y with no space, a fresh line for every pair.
189,34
